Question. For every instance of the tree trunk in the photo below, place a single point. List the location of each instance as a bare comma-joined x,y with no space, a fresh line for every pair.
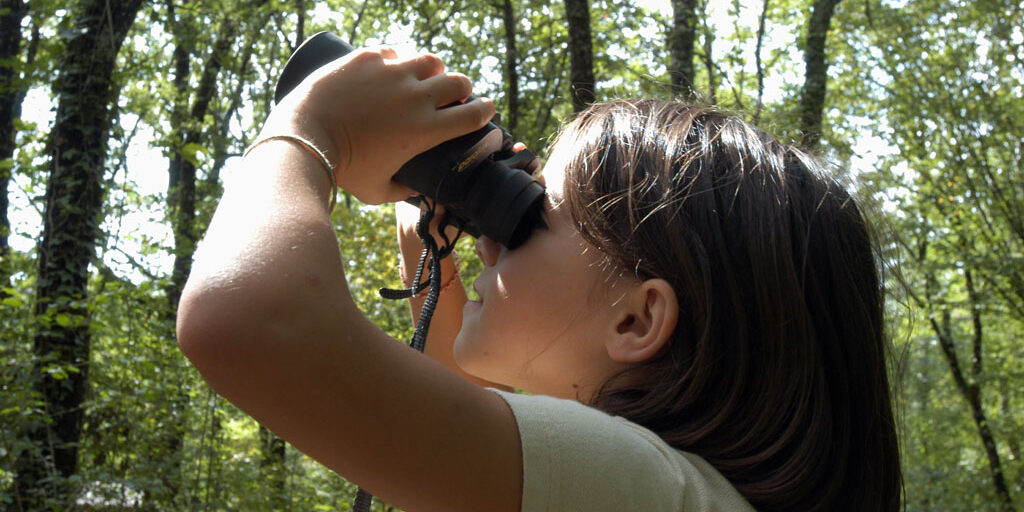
211,186
354,30
759,63
581,54
11,90
272,469
300,24
74,196
544,109
181,186
680,47
709,58
511,67
812,99
187,134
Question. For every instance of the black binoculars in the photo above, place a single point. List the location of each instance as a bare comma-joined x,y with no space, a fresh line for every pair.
477,177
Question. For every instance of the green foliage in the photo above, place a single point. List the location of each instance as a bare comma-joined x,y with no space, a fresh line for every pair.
944,91
363,231
20,406
938,94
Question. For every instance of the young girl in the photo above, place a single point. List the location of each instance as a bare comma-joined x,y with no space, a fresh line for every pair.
699,323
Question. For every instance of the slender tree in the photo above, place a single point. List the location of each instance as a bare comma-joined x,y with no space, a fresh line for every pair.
300,24
967,377
189,133
957,215
812,98
581,54
709,55
511,66
78,145
759,62
272,470
681,38
11,90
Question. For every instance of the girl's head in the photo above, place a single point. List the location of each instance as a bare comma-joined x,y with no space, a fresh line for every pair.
711,284
776,368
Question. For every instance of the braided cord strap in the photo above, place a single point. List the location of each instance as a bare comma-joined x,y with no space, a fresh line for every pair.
434,254
312,150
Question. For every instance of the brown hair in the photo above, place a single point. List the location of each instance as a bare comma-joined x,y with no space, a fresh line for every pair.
776,373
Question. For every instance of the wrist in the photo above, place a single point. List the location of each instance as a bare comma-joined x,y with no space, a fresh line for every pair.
289,118
311,151
450,266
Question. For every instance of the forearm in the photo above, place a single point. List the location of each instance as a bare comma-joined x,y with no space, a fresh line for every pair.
269,260
267,318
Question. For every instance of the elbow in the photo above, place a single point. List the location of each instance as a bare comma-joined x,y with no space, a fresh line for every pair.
203,328
228,327
194,327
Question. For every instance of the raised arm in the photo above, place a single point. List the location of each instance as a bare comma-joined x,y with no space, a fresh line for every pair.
268,320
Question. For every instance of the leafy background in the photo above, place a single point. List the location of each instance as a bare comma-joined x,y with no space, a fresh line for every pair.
923,116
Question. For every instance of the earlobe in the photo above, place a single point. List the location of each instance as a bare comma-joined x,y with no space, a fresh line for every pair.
645,323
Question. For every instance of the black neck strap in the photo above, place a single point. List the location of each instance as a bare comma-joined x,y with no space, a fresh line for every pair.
432,255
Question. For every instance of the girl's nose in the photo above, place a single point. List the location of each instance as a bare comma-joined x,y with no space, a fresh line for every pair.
487,250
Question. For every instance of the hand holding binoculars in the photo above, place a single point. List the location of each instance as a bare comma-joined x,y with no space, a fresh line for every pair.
486,187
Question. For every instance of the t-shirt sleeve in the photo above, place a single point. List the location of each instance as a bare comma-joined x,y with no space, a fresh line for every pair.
578,458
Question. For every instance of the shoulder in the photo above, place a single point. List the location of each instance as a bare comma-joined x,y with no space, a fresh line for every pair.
576,457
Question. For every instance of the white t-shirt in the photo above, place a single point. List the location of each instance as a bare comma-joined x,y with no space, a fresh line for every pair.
577,458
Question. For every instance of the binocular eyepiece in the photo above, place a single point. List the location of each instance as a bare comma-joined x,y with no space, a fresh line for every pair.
477,177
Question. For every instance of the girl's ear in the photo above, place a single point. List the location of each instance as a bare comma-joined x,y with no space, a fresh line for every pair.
645,322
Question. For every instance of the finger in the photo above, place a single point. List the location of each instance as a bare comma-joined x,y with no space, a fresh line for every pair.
448,88
424,65
462,119
388,52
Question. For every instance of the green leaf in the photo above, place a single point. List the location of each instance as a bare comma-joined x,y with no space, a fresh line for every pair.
191,152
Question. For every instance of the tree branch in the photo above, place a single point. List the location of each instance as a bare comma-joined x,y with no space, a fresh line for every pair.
757,59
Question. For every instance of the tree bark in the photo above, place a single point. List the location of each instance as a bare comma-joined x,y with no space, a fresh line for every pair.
812,99
11,93
680,47
511,66
74,196
581,54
